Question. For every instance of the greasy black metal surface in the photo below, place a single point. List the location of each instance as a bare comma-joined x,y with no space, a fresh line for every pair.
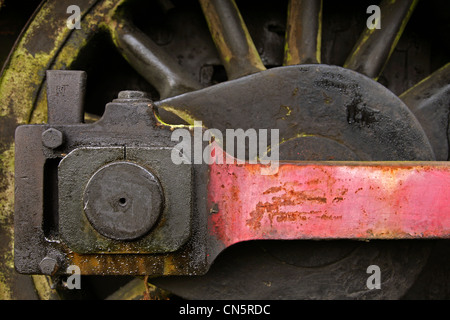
123,200
275,270
429,101
327,102
129,132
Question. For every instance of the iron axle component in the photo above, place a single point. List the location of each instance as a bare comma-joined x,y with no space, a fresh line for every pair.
123,200
142,214
113,182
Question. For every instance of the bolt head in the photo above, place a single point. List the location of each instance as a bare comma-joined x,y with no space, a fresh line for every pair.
130,94
52,138
49,266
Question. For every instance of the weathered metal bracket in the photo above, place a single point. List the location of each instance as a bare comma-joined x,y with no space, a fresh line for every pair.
55,162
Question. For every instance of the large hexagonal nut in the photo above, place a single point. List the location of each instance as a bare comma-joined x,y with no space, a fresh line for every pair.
52,138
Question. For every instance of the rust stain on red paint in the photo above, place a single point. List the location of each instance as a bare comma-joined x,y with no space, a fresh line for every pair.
288,198
235,193
335,201
272,190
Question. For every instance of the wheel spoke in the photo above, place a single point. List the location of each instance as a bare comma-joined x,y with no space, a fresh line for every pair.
428,100
375,46
303,32
133,290
231,37
150,60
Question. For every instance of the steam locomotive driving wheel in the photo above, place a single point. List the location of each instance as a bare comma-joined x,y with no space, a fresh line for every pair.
302,67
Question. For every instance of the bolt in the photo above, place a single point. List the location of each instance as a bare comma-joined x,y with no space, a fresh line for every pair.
49,266
52,138
132,96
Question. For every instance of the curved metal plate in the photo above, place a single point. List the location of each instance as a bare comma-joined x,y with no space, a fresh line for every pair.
314,100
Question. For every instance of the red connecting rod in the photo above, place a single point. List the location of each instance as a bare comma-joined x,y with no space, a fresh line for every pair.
330,200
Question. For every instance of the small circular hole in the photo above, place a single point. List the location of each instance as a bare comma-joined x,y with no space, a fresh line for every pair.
122,201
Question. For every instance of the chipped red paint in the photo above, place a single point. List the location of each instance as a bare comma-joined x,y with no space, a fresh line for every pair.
330,200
